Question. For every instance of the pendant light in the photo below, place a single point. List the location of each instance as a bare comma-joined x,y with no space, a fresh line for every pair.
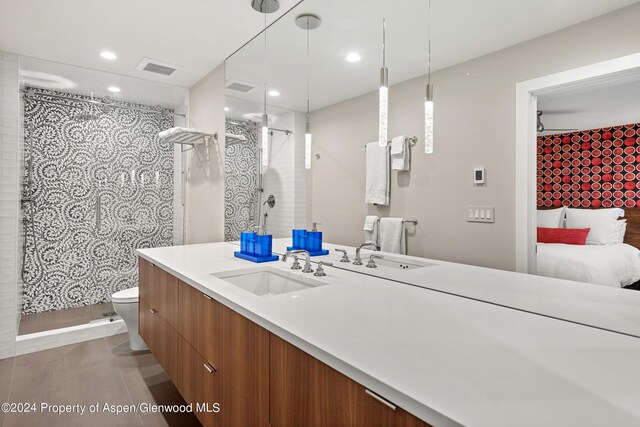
308,22
428,100
265,117
384,92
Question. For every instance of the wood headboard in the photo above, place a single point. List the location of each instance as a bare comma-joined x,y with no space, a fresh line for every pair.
632,215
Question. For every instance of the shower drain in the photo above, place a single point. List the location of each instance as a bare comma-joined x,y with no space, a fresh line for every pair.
109,314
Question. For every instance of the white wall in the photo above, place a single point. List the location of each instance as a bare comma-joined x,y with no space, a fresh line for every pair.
474,126
285,176
9,199
204,213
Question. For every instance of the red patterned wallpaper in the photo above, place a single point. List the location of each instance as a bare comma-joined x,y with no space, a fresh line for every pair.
590,168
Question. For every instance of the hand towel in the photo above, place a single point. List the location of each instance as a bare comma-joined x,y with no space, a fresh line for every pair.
392,236
371,229
400,154
370,222
377,174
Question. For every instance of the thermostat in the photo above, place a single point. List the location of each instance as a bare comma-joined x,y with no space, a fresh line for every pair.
478,176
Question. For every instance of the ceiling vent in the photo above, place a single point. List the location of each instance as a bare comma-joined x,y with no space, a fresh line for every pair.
240,86
158,67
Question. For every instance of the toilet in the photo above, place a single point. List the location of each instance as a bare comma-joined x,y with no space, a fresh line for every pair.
125,303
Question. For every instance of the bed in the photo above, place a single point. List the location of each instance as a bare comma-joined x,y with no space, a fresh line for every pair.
616,265
610,265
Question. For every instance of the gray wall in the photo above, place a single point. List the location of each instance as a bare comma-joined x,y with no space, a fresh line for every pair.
474,126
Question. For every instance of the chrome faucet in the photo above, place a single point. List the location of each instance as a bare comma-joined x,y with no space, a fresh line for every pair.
345,257
358,261
372,263
320,270
307,262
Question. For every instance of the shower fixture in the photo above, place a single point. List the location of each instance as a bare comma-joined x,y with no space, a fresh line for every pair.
265,6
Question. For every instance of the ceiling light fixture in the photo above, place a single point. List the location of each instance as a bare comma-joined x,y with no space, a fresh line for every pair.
113,89
353,57
384,91
226,109
108,55
274,93
428,100
308,22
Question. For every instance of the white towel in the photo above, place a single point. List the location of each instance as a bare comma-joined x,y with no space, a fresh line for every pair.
370,222
392,236
377,175
370,229
400,154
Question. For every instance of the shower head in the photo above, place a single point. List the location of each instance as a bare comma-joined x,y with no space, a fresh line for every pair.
265,6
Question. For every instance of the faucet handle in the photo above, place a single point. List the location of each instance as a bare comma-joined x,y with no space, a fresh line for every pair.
345,257
296,263
320,270
372,263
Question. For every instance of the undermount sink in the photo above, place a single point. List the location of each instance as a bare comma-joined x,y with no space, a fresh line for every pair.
265,281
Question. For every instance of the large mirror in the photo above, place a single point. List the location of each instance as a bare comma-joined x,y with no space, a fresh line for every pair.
458,203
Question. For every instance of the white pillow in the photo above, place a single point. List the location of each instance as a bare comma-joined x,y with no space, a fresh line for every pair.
619,230
551,218
601,222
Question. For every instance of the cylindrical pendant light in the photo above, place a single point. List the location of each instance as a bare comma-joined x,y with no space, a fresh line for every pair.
428,100
265,117
308,22
383,118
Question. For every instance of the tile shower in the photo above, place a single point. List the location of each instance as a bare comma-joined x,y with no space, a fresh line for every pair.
97,185
240,179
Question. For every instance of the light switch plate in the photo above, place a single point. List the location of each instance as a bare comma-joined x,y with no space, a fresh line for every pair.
485,214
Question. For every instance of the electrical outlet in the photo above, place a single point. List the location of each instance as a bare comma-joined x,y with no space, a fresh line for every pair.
481,214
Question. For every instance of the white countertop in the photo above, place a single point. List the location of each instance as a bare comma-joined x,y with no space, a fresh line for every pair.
606,307
449,360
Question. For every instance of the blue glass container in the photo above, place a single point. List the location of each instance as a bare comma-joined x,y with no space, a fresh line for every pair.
247,243
314,241
263,245
299,239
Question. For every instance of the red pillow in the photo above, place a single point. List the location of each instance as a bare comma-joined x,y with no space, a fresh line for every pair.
568,236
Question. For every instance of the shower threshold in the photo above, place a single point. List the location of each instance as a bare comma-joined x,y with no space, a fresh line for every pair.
57,319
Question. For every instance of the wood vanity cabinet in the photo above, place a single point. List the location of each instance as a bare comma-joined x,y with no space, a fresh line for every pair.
235,348
307,392
215,355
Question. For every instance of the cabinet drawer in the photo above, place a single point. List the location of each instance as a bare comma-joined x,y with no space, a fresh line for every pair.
199,323
307,392
158,290
199,384
161,339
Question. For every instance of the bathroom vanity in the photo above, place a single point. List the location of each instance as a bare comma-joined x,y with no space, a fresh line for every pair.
276,347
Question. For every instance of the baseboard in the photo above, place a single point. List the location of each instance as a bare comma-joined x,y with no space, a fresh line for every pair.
39,341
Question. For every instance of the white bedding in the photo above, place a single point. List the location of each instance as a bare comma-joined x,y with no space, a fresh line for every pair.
612,265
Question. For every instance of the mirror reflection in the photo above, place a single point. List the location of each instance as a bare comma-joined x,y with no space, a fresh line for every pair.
387,136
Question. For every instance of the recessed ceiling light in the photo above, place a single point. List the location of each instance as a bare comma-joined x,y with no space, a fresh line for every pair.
353,57
274,93
226,109
113,89
108,55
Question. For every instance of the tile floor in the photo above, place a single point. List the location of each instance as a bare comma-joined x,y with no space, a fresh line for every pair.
56,319
98,371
